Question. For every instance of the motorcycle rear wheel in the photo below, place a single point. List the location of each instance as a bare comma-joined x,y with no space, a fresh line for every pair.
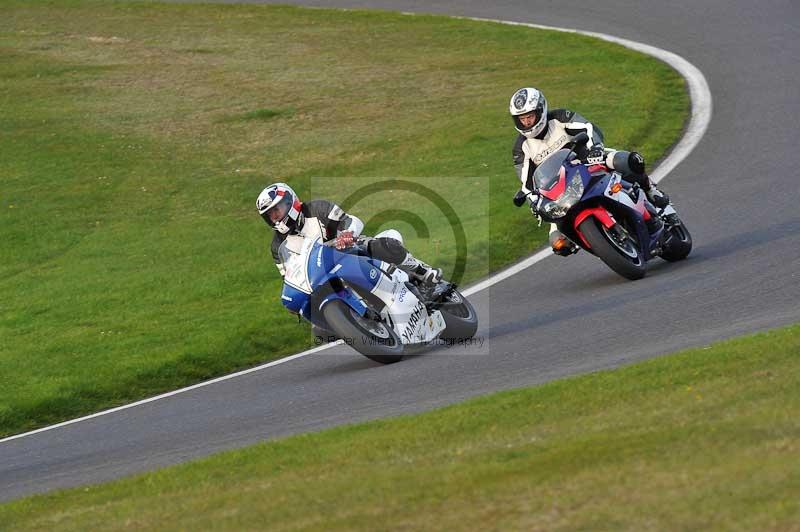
625,258
375,340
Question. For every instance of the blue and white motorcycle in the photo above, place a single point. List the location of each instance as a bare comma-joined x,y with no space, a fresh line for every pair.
608,217
371,305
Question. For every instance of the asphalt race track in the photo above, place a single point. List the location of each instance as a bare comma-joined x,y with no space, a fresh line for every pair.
737,192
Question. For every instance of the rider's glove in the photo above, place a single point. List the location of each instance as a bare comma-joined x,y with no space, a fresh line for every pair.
344,240
596,155
535,200
521,196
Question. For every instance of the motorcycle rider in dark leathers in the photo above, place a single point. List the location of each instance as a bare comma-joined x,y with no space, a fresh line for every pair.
543,132
282,210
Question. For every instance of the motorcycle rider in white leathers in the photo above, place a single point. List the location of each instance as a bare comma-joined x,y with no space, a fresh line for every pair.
282,210
543,132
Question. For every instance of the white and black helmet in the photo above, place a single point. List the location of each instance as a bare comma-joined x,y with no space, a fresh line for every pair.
280,207
529,100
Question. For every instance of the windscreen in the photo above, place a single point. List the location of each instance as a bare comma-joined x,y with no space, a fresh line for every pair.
546,175
294,256
291,248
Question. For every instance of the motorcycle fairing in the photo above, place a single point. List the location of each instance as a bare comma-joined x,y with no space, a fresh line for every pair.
607,206
295,300
404,311
638,205
407,315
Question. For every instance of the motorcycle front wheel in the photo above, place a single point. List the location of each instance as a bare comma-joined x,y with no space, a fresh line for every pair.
459,316
677,244
373,339
620,253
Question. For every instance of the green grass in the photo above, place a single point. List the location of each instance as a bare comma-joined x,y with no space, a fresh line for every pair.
261,114
704,439
135,138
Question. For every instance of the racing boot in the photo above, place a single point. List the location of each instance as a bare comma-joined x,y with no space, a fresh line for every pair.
392,251
656,197
632,167
428,276
662,203
560,244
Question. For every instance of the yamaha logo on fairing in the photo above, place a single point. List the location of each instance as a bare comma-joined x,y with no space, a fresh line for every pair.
520,99
412,322
319,258
373,273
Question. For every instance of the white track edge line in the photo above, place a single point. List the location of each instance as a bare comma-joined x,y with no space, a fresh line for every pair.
701,108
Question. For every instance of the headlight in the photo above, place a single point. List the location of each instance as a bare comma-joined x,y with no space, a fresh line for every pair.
572,194
553,210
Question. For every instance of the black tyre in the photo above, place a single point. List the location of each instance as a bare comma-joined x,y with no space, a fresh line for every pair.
373,339
620,253
460,317
677,243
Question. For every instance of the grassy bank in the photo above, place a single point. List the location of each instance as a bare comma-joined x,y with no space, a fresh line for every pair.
705,439
136,136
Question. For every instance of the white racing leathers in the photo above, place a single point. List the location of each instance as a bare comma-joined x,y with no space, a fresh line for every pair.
563,126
